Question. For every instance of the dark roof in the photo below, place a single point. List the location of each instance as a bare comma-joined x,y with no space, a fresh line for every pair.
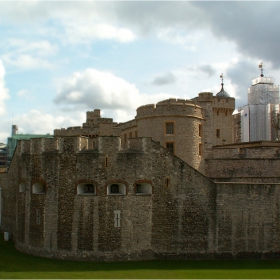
222,92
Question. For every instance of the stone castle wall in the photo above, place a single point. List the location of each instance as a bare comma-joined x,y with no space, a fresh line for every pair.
248,219
128,130
250,162
77,226
185,216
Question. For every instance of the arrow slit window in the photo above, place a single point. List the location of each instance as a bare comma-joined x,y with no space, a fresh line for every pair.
117,218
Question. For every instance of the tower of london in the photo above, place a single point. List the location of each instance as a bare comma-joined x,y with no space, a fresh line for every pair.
171,183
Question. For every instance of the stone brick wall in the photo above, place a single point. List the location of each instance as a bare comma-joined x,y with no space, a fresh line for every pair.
185,216
248,219
128,130
169,220
247,162
223,120
9,193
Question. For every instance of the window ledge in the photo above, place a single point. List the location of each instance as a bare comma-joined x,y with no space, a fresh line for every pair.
143,194
86,193
116,194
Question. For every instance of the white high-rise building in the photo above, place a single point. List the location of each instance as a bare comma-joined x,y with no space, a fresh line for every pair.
262,112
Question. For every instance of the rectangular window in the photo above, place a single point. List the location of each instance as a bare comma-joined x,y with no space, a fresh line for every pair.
167,182
115,188
117,218
138,188
200,149
218,133
169,128
199,130
38,218
130,134
136,133
89,188
125,139
170,146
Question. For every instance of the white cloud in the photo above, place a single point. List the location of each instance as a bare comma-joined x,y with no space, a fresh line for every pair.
41,48
98,89
28,54
4,95
84,32
36,122
27,61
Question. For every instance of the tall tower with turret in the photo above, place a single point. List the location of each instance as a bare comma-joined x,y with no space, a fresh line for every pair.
218,111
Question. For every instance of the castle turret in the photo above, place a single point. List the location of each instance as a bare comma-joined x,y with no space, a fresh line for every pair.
218,117
177,125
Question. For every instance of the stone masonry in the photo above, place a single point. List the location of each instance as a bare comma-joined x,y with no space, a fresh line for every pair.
169,184
185,215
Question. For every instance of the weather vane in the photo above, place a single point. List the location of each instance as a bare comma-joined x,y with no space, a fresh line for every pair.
222,78
261,67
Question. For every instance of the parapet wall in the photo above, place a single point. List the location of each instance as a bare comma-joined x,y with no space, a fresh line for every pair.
226,102
247,152
104,144
102,127
220,102
70,131
170,107
244,164
129,124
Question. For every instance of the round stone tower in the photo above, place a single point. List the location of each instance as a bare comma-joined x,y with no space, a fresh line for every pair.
177,125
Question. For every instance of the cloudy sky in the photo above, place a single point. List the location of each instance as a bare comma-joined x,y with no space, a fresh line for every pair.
61,59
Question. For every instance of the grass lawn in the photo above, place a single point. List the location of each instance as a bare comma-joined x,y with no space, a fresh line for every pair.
14,264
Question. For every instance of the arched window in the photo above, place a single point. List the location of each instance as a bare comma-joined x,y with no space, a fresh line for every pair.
38,188
143,188
116,189
86,189
22,187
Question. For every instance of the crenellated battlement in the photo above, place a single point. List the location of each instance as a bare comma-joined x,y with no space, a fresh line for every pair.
249,150
94,126
106,144
204,97
216,101
170,107
38,145
224,102
94,117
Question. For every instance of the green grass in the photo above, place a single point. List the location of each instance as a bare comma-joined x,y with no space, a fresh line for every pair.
14,264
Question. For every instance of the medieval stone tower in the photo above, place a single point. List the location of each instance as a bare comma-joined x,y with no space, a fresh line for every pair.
218,127
176,124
